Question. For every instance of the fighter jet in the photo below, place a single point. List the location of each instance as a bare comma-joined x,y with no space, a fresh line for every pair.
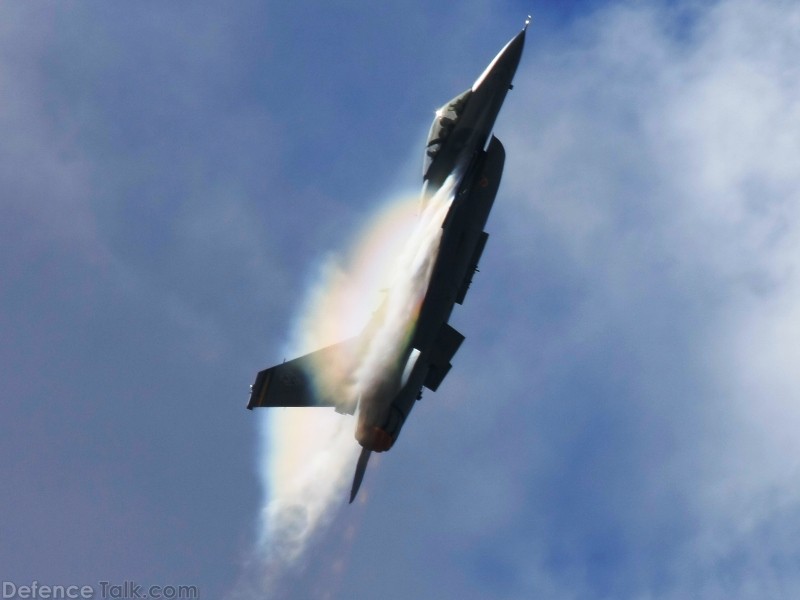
460,148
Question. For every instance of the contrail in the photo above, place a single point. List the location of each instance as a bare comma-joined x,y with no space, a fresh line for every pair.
307,455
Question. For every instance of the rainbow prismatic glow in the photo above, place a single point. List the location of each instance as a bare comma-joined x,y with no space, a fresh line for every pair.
372,295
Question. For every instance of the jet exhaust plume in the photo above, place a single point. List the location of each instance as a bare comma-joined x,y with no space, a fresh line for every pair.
307,455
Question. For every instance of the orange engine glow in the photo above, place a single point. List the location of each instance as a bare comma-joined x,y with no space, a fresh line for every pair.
375,439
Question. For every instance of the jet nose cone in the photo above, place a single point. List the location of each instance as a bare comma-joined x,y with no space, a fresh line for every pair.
513,50
502,68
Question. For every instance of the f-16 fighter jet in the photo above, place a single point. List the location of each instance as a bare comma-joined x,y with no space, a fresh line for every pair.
465,160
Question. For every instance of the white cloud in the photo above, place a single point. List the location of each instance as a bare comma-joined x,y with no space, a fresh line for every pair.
637,314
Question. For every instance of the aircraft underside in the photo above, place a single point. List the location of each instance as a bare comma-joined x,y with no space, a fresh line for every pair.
461,150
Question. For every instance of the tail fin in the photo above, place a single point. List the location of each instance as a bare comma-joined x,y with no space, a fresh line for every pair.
361,468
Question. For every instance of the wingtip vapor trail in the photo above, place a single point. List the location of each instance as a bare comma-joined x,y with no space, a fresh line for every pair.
307,455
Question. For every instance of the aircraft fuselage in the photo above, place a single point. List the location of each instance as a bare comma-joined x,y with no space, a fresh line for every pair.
464,162
464,154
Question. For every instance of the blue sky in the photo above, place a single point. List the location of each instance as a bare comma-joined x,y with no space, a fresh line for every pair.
622,419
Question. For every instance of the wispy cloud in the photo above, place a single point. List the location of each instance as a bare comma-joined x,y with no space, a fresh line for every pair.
619,422
658,174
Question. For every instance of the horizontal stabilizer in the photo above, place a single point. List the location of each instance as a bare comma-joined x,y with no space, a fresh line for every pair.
444,349
297,383
436,375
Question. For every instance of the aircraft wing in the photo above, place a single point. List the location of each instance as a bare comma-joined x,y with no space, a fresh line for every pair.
294,383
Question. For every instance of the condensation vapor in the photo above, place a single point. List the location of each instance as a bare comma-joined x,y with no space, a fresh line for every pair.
307,455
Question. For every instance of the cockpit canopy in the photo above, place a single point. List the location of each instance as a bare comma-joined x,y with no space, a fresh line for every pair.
442,127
